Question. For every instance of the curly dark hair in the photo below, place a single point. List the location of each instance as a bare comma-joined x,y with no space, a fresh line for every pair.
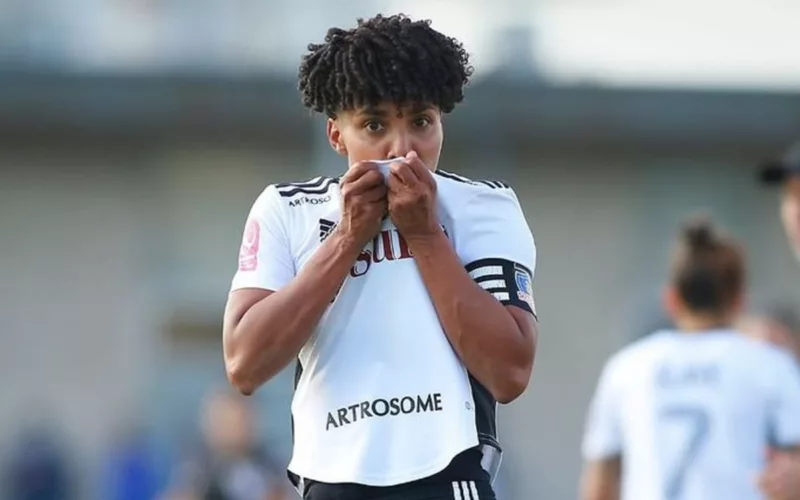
384,59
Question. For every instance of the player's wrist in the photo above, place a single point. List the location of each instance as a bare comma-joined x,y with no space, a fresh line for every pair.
428,237
346,243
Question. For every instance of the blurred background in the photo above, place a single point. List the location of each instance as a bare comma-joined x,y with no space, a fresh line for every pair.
135,135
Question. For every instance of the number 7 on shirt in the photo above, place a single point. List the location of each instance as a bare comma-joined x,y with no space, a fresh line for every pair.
695,421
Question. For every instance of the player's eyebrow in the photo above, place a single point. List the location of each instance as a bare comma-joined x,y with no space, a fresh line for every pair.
419,107
373,111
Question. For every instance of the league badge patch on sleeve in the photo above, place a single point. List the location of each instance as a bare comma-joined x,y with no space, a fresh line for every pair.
248,253
522,279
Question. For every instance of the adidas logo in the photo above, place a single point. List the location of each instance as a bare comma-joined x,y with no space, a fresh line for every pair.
325,229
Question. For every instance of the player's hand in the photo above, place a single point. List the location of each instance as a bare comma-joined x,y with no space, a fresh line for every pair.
781,479
363,195
412,198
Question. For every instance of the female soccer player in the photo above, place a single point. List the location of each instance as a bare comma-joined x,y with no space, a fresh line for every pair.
781,479
689,414
778,324
785,172
403,292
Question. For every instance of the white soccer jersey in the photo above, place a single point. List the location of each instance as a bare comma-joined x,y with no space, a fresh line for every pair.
381,397
692,415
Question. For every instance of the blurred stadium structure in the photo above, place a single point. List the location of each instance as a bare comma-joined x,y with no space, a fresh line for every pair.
135,134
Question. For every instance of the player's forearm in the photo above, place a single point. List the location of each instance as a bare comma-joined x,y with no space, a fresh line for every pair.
483,333
608,492
601,483
781,478
599,494
271,333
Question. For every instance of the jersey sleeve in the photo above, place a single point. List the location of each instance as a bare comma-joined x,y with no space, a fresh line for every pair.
265,259
602,435
785,408
497,247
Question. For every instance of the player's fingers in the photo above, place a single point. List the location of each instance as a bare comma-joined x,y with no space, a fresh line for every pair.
775,493
374,194
370,179
358,170
767,476
772,485
393,182
782,465
417,166
403,172
383,206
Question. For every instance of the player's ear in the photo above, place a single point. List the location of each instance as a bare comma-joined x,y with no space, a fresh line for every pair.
671,302
739,304
335,138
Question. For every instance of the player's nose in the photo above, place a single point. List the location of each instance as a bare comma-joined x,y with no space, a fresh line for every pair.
400,146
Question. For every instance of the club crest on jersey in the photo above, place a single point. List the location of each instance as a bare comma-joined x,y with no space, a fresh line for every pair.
522,278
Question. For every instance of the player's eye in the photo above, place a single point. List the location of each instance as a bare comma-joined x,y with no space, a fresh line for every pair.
422,121
373,126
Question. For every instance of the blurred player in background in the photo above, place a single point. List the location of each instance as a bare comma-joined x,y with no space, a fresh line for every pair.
688,414
404,295
785,172
782,477
778,324
229,464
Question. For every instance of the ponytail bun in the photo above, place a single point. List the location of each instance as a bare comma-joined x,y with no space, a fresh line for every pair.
708,271
699,234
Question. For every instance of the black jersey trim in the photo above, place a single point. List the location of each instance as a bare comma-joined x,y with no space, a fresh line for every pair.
318,185
491,183
494,184
486,427
485,413
313,182
298,373
296,481
454,177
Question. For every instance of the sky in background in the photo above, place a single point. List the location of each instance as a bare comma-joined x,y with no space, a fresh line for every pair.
683,43
678,43
719,43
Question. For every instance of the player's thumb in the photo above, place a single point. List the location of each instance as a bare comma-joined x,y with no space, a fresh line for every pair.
412,155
